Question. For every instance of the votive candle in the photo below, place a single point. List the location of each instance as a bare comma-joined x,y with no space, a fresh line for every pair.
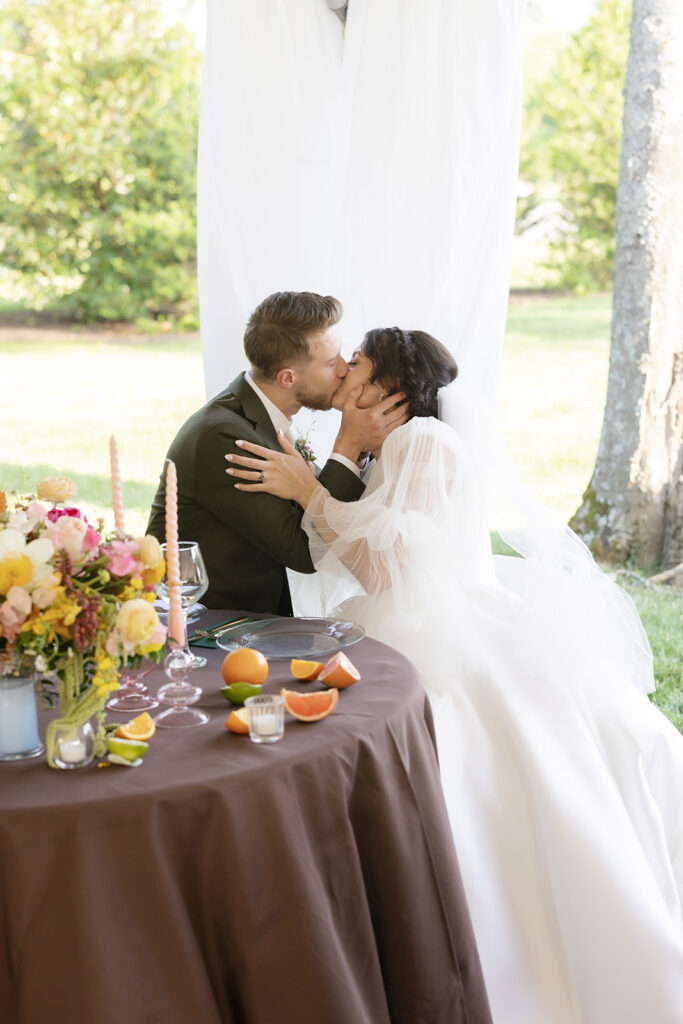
116,489
176,619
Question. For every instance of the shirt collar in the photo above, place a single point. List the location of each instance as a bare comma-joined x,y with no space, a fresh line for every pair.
276,416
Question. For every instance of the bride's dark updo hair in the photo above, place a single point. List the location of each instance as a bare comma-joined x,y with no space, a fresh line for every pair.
410,361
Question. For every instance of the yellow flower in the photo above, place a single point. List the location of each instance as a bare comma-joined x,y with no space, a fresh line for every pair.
23,564
137,622
3,502
150,577
149,551
16,570
56,489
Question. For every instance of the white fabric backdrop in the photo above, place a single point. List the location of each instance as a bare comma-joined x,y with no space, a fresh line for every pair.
377,162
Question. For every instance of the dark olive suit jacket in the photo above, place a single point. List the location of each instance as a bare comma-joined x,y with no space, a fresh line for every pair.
246,539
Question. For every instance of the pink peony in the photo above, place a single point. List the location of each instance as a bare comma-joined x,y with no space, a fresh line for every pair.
13,612
56,513
69,534
36,512
122,561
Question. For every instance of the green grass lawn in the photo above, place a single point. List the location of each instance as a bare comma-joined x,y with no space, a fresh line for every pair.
62,399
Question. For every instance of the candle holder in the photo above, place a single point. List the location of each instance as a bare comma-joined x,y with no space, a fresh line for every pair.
194,582
179,693
266,717
19,737
74,746
133,694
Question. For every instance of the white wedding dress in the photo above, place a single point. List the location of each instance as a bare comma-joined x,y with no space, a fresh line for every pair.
564,784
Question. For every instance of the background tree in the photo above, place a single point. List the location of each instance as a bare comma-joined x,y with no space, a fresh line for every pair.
99,107
570,144
633,507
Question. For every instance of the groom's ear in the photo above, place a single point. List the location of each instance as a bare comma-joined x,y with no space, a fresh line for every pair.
285,378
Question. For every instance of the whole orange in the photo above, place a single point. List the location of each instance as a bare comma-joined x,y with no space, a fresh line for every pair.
245,665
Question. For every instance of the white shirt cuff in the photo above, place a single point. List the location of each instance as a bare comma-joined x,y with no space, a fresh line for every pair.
346,462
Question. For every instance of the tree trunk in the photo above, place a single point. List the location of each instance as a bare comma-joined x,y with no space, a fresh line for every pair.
633,506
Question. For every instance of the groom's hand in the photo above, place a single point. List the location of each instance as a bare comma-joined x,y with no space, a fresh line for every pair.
365,430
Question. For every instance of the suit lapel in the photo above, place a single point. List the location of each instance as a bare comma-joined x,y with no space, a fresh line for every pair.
254,410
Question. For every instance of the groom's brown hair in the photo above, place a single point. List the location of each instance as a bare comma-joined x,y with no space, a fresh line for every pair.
278,330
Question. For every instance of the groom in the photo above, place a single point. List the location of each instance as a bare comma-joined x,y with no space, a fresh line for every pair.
293,346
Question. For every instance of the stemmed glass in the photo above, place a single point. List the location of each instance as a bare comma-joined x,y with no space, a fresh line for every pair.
194,582
133,694
179,693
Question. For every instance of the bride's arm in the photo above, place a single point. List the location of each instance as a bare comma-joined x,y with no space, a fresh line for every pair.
287,475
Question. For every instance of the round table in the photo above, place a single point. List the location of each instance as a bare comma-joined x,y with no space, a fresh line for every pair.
310,881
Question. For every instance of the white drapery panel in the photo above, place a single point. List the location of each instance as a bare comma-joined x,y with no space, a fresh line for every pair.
377,162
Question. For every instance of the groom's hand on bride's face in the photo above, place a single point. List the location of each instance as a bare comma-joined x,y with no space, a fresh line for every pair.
365,430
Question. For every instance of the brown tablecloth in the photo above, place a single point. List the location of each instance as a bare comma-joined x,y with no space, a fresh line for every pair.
311,881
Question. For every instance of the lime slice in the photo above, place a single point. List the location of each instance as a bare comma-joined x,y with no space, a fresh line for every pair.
237,693
116,759
129,750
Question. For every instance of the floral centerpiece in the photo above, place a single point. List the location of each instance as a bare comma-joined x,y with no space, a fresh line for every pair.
77,598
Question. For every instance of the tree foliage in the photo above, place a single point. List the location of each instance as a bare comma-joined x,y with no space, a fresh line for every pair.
99,109
573,130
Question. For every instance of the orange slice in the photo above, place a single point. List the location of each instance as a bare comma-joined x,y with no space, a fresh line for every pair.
310,707
140,728
238,721
339,671
305,670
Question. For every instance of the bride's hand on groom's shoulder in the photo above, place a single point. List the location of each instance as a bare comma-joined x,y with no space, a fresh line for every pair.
285,474
365,430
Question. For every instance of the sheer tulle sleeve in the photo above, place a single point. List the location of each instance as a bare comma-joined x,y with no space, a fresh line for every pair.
412,515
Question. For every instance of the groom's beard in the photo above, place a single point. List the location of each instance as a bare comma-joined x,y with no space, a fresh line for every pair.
315,399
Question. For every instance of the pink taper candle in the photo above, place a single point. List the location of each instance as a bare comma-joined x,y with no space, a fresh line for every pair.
176,619
116,489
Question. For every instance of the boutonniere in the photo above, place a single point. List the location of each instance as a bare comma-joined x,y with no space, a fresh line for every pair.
304,448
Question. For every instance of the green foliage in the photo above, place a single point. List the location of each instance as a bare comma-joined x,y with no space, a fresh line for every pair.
570,143
99,109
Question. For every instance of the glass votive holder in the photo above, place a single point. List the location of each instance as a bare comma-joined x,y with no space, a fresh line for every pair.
266,717
74,746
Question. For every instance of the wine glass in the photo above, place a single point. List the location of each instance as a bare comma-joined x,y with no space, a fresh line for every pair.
194,582
133,694
179,693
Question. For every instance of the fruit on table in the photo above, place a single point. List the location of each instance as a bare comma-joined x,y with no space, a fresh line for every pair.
238,721
245,665
310,707
141,728
129,750
339,671
305,670
237,693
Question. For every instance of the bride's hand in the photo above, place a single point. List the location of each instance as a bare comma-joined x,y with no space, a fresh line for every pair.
285,474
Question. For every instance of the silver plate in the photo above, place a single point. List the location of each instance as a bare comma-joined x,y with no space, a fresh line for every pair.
283,639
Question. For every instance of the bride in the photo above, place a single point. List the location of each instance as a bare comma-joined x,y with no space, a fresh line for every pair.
563,782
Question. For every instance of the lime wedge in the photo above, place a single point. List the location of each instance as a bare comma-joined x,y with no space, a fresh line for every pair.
237,693
129,750
116,759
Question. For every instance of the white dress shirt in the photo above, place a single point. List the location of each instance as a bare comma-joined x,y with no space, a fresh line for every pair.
284,424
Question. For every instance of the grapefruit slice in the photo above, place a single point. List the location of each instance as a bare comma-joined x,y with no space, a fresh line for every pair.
339,671
310,707
238,721
305,670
